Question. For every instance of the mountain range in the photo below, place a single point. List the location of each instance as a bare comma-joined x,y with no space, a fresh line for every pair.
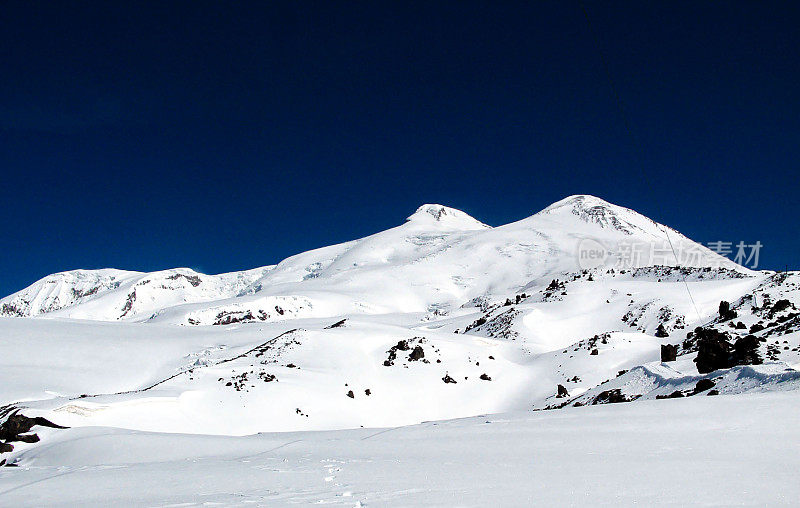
584,303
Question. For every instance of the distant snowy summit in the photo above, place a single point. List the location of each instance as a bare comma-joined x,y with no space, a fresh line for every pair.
445,216
440,258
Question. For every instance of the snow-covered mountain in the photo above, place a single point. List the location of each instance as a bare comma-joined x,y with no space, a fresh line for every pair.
121,295
438,260
440,317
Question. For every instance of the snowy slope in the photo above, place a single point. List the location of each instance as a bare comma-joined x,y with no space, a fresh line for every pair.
439,318
700,451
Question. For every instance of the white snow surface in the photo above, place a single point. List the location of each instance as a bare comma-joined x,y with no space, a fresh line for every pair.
354,373
710,451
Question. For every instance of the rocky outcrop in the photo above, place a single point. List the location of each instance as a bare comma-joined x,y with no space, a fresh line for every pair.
17,428
614,396
669,352
715,351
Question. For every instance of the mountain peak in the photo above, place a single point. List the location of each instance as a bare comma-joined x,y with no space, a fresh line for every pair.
446,216
594,210
579,202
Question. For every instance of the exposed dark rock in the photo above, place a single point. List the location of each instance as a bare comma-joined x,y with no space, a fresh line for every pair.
674,395
478,322
416,354
756,328
233,317
703,385
336,324
562,392
713,350
740,326
194,280
367,392
594,352
128,303
745,351
351,394
725,312
401,345
780,306
612,397
17,428
448,379
17,424
661,332
485,377
669,352
713,392
28,438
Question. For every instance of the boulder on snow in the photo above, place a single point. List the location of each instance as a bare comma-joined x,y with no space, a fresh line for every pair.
661,332
703,385
562,392
745,351
485,377
725,312
15,428
416,354
6,447
669,352
713,350
448,379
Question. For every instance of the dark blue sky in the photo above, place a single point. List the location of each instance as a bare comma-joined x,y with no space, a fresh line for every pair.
224,136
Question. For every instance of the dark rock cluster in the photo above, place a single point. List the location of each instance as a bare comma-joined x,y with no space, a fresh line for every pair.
417,352
614,396
715,351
